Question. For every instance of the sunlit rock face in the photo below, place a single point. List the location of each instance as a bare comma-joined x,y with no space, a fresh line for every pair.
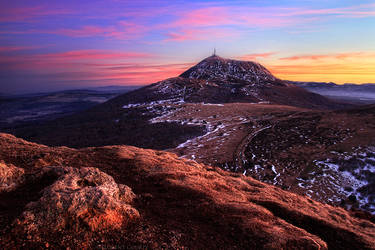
87,202
10,177
79,199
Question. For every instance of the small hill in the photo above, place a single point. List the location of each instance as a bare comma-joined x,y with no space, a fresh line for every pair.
219,80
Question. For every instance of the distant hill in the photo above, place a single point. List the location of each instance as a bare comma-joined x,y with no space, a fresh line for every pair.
115,88
356,93
15,109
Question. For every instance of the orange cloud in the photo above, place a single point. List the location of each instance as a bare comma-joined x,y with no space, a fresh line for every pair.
148,67
91,65
355,67
142,74
349,55
66,61
336,71
130,74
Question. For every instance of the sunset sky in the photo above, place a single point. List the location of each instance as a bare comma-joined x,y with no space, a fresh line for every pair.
54,45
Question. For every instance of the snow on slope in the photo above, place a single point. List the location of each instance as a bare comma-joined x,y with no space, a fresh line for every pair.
215,68
349,176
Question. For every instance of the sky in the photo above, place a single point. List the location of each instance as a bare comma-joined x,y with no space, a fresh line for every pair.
54,45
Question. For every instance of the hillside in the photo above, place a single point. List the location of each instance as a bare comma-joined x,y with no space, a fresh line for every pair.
127,197
126,119
16,110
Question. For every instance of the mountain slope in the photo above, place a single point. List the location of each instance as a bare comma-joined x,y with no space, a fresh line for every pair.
153,199
126,119
219,80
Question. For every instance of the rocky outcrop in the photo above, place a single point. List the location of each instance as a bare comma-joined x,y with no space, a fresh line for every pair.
180,204
79,198
10,177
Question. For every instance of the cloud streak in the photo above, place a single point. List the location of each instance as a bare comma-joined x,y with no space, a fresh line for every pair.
182,24
30,14
358,11
69,60
17,48
316,57
256,56
123,30
200,34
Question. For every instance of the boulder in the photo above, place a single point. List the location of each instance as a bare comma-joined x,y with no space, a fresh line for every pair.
84,199
10,177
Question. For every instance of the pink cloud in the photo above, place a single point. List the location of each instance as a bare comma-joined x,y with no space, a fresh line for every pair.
262,17
187,24
255,56
16,48
200,34
80,55
92,65
151,68
232,16
85,31
93,54
211,16
130,74
127,30
28,14
123,30
145,74
220,22
70,60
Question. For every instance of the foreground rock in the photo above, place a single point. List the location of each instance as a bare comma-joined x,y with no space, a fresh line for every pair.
180,204
10,177
79,198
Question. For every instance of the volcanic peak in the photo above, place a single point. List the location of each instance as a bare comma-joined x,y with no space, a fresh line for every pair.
216,68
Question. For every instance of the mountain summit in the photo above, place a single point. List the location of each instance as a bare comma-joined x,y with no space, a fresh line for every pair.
218,69
220,80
